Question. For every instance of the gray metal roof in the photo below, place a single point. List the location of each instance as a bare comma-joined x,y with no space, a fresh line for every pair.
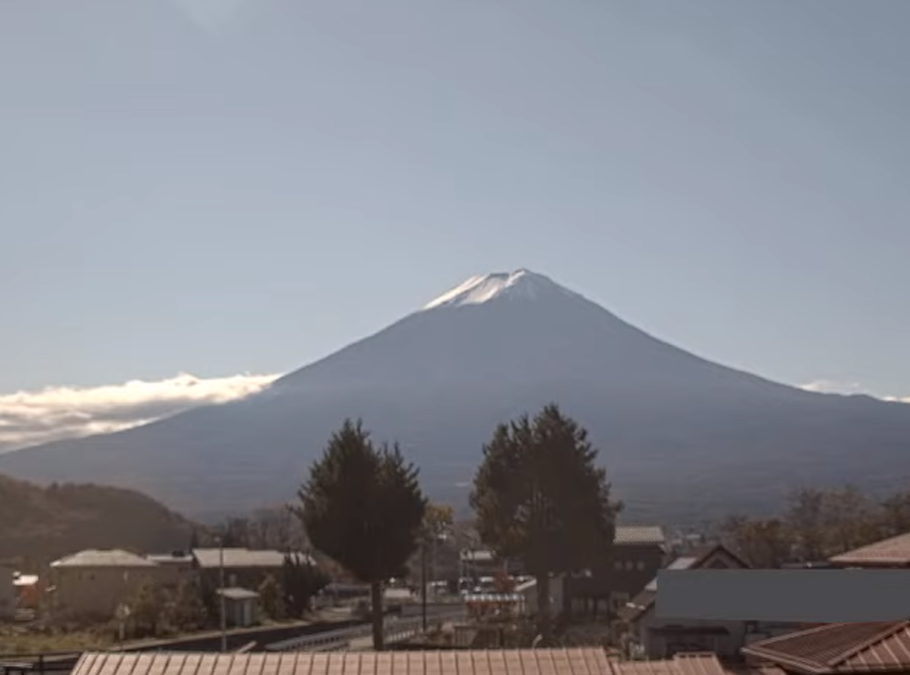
243,558
237,593
108,558
477,555
683,563
166,559
639,534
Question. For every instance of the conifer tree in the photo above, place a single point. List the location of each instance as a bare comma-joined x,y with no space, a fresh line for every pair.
539,497
362,506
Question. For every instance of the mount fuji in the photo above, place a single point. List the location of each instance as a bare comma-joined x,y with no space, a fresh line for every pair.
684,439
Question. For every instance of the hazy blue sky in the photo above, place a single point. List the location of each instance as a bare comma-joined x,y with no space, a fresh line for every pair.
181,191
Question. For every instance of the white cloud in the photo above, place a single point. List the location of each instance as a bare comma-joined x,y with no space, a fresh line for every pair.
832,387
29,418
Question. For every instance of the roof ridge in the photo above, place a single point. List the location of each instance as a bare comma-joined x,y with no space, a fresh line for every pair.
876,543
884,634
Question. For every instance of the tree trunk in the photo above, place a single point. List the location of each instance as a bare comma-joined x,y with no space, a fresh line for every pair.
543,608
376,615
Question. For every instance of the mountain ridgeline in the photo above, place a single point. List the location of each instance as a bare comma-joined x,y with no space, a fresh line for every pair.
40,524
684,439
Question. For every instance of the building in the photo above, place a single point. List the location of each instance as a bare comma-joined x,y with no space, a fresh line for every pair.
571,661
28,590
656,638
241,566
639,551
837,649
95,582
176,567
241,607
7,594
528,592
888,553
480,563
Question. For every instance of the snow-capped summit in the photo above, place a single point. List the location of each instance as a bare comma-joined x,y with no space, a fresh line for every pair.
521,283
681,436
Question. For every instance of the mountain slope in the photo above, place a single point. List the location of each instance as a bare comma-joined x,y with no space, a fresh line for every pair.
681,436
41,524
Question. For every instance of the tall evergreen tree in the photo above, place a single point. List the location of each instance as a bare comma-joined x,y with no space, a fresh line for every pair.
363,507
300,581
540,497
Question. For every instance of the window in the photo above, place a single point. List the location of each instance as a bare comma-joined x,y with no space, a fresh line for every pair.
641,565
629,565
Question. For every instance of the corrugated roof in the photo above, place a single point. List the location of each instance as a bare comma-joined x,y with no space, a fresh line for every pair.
698,663
753,669
578,661
639,534
683,563
170,559
694,663
237,593
638,605
572,661
108,558
840,648
243,558
889,552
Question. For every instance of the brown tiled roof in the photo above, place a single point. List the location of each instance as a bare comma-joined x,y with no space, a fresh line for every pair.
753,669
580,661
695,663
889,552
839,648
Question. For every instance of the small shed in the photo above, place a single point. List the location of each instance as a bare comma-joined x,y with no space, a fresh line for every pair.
28,590
241,606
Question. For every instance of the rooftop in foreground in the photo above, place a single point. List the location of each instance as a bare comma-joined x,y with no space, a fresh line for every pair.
573,661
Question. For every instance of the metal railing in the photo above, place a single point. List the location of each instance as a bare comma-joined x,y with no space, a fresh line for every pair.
56,663
394,630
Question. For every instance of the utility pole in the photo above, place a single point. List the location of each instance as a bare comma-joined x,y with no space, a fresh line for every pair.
423,585
221,594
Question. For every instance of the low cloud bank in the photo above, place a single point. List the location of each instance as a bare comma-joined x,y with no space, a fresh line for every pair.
30,418
54,413
831,387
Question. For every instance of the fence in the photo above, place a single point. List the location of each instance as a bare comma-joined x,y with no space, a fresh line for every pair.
38,664
394,630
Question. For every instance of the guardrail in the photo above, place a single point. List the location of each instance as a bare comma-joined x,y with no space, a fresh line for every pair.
394,630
